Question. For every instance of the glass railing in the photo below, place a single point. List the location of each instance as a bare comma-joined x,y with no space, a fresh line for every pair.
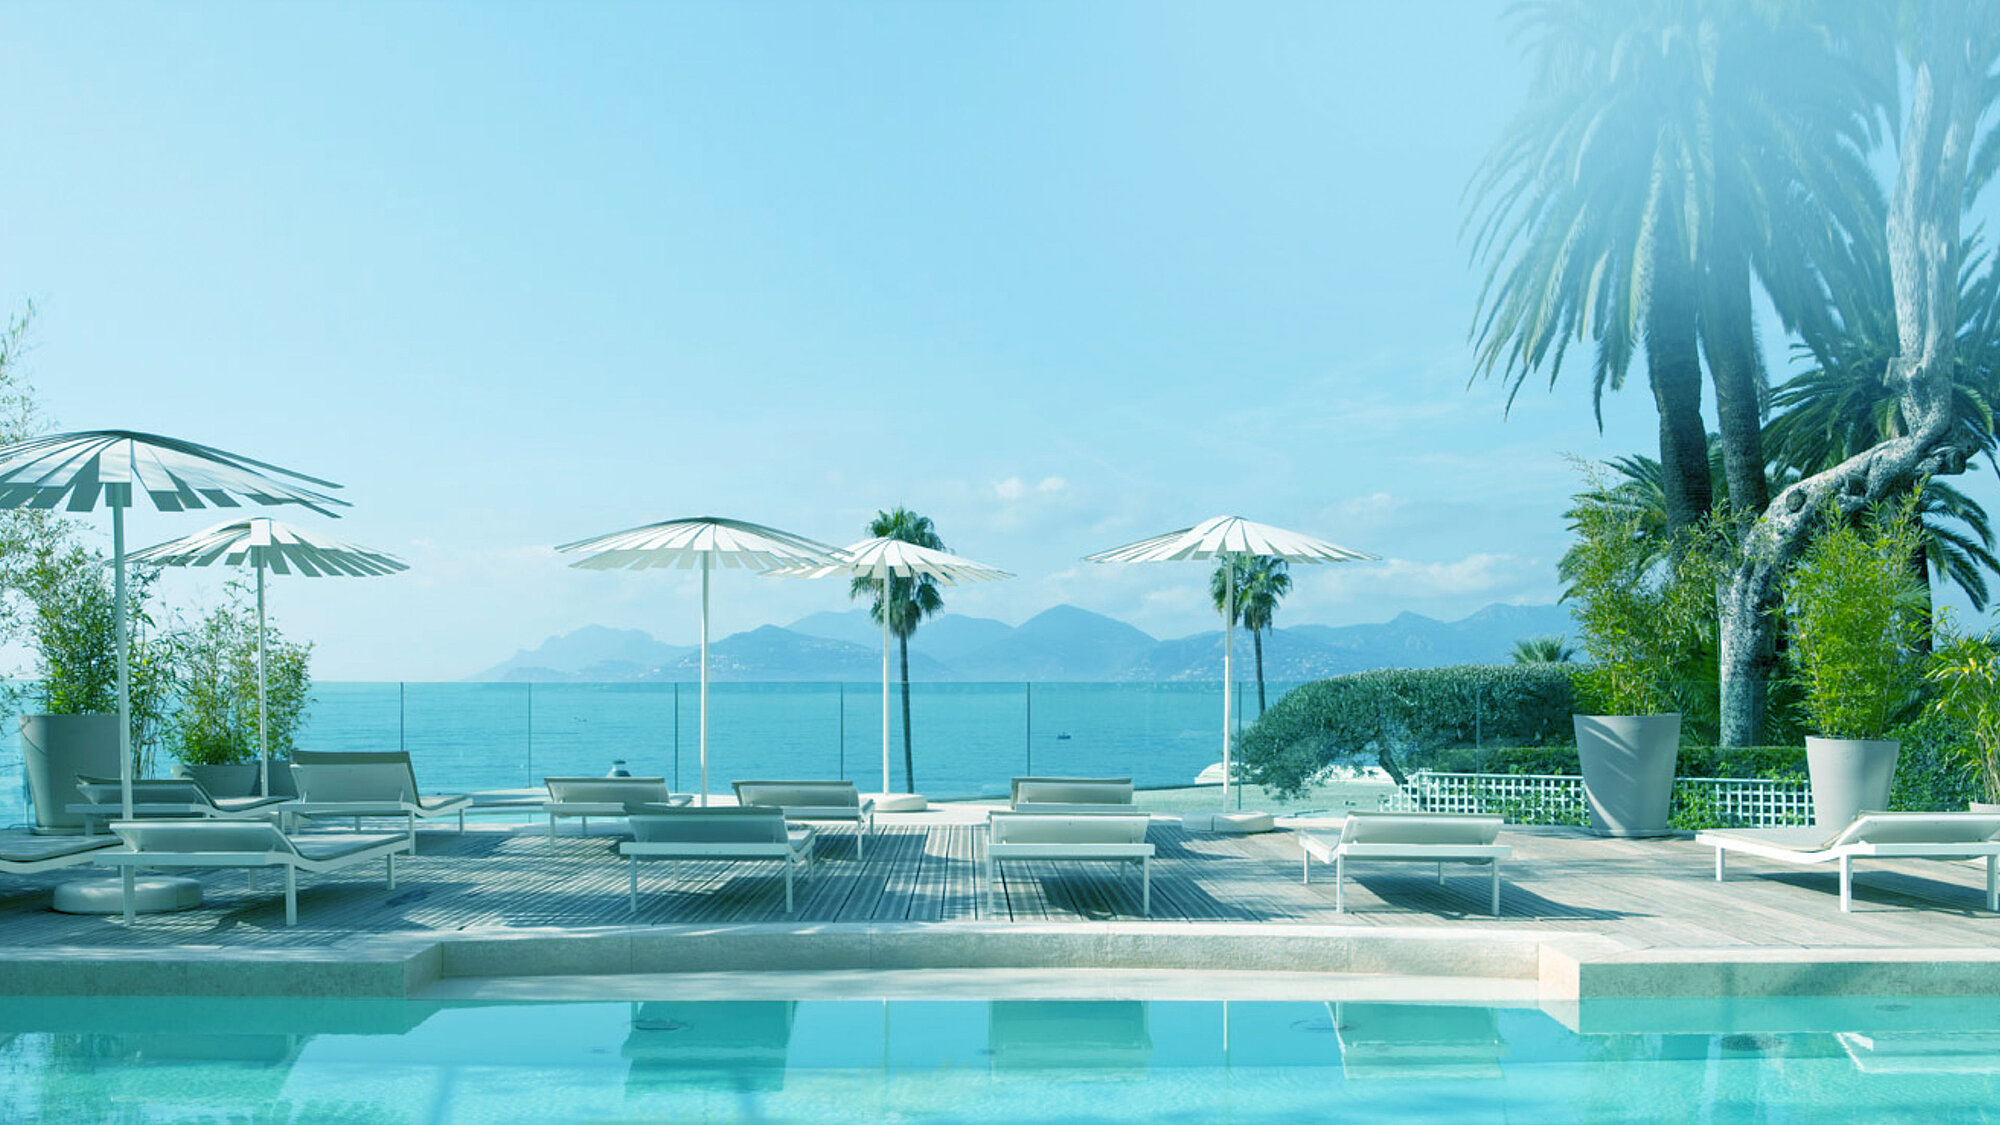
968,738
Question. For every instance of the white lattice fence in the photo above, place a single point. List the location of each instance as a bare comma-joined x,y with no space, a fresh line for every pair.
1534,798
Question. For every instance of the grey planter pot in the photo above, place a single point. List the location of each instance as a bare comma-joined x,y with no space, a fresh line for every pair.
54,750
239,779
1849,776
1628,771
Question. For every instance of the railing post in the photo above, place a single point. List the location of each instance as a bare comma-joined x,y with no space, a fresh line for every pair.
1028,729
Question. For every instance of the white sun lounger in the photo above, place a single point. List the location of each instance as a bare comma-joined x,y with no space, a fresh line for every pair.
814,800
371,783
24,853
1080,836
585,797
1438,838
209,843
754,833
104,800
1872,835
1069,796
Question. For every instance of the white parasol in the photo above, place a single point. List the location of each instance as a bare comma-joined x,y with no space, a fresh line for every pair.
266,544
707,542
1229,537
879,559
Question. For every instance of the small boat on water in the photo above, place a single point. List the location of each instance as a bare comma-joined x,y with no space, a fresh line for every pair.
1063,737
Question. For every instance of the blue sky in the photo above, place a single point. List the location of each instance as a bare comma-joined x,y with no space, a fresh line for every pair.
1057,275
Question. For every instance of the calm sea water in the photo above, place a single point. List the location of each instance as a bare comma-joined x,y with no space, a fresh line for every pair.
969,738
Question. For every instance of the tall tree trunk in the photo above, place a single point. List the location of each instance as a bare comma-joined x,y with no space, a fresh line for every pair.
1730,340
1673,365
1952,50
909,759
1257,640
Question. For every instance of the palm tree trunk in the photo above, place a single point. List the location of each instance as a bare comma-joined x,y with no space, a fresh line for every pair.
1731,342
909,759
1257,641
1673,364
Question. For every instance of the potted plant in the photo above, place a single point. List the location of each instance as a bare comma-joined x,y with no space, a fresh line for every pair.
69,724
1641,611
1856,611
1964,673
214,729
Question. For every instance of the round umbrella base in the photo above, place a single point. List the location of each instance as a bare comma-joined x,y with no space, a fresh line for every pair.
898,802
151,894
1230,822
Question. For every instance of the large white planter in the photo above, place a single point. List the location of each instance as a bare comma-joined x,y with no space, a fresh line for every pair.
54,750
1628,771
1849,776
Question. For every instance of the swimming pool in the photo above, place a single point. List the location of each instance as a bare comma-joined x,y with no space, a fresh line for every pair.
352,1062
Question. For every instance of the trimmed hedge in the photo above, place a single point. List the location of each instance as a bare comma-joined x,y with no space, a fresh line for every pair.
1392,713
1515,718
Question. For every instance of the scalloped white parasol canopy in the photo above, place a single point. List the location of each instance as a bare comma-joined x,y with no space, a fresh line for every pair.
279,547
74,471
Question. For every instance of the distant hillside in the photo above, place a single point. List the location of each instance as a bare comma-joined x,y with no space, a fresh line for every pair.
1063,643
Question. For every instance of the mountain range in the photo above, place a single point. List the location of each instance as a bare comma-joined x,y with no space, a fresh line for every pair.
1064,643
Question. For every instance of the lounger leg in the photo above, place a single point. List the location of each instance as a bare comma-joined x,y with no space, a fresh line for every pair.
291,895
1992,884
992,874
461,822
635,878
1496,889
391,857
860,842
126,880
1339,884
552,826
1306,871
1440,873
1846,884
1719,853
411,820
788,886
1146,885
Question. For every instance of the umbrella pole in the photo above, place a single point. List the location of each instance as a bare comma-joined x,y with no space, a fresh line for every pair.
263,738
124,665
1228,664
707,561
885,683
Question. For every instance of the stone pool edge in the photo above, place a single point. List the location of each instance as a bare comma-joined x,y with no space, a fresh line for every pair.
1561,966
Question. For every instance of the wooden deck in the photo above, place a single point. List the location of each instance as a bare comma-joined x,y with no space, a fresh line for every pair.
1647,892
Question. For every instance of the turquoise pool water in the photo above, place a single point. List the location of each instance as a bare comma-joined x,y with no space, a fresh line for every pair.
358,1063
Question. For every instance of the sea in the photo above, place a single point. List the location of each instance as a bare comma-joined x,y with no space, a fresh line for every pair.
968,739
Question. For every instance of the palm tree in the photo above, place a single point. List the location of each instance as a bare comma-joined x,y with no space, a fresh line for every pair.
905,603
1543,650
1671,151
1261,583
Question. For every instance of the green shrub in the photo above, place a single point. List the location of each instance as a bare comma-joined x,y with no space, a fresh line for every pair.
1857,611
215,720
1392,714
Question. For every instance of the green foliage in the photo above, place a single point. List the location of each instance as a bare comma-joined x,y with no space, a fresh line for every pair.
1543,650
1964,675
1857,613
1648,617
1392,714
1936,770
215,722
69,600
